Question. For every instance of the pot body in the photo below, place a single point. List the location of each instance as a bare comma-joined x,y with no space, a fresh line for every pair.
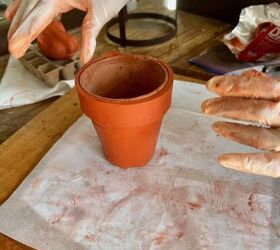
128,127
129,146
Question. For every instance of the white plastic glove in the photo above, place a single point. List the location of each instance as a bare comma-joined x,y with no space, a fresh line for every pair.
30,17
253,96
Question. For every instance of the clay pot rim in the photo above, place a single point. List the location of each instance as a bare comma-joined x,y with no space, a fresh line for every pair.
139,99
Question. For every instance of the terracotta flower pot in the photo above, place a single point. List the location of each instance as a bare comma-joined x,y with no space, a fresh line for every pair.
126,97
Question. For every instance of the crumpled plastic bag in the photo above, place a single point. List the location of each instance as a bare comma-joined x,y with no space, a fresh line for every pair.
257,34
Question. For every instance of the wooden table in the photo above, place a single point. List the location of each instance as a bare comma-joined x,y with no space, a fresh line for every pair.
27,133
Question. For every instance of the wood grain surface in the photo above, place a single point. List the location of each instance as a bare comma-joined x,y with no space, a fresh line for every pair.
7,243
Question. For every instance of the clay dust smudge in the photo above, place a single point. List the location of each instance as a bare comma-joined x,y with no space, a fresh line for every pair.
58,219
160,238
163,237
218,187
91,237
194,205
11,100
163,152
36,183
179,235
250,201
200,198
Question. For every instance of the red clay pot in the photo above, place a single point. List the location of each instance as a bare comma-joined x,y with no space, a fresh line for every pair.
126,97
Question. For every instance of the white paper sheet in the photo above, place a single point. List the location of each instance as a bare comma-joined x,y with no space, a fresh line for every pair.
19,87
183,199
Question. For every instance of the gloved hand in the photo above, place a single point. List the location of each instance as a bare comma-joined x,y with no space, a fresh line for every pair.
255,97
30,17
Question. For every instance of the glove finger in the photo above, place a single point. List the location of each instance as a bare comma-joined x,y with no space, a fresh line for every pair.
37,20
23,10
251,84
90,30
12,9
98,13
258,137
261,111
261,164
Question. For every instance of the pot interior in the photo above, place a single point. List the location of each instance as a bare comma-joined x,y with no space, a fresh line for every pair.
124,77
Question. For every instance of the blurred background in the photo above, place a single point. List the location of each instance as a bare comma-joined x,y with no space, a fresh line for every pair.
227,11
224,10
3,6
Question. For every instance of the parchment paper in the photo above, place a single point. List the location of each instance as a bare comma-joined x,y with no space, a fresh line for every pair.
19,87
183,199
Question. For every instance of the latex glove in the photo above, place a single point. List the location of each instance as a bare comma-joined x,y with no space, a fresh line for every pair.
30,17
255,97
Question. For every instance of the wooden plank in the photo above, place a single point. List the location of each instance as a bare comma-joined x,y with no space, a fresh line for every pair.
181,63
189,27
190,78
187,54
13,119
202,76
3,64
7,243
24,149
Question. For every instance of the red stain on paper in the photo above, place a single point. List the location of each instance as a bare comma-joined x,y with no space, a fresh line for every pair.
250,201
200,198
36,183
218,187
58,218
179,235
91,237
11,100
163,152
160,238
194,205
